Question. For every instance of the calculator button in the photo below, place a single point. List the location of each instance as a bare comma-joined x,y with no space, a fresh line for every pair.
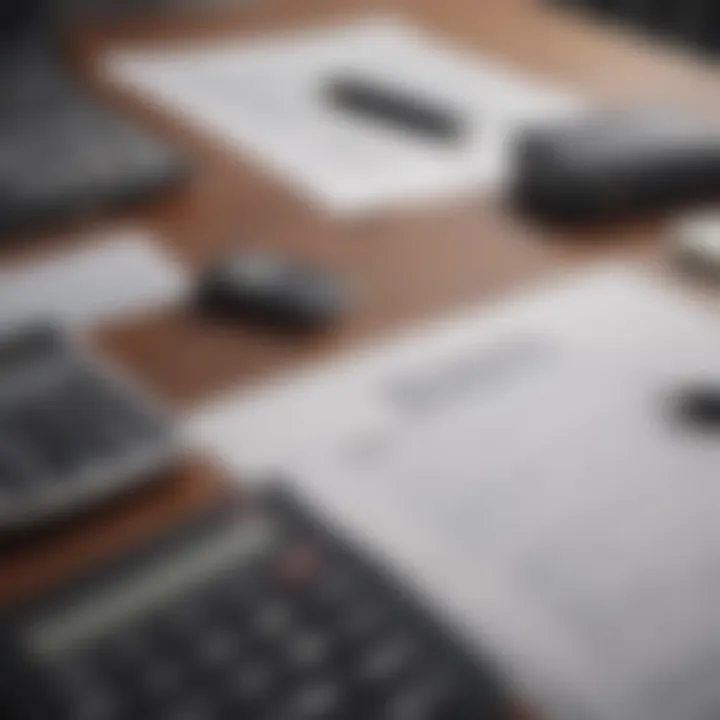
95,709
182,623
333,586
388,661
307,650
252,684
160,680
89,699
216,650
242,594
75,675
315,701
132,645
188,710
107,413
14,477
297,566
94,412
273,620
364,620
124,664
427,698
62,443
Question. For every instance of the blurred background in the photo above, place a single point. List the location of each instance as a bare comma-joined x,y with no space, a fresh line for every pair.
358,360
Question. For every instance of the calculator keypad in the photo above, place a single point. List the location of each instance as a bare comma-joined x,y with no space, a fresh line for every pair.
304,631
68,426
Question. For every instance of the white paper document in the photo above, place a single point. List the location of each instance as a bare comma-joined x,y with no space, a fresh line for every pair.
525,467
121,274
265,97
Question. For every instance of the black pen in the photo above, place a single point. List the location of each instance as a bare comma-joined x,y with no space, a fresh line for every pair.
378,101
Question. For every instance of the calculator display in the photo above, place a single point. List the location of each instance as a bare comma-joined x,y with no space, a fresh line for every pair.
104,610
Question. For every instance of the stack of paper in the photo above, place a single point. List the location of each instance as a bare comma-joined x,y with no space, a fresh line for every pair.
265,98
525,468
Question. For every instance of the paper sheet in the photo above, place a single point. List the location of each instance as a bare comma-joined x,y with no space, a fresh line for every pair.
264,98
523,467
121,274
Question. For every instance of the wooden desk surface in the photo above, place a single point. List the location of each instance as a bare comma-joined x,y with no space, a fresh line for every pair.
407,265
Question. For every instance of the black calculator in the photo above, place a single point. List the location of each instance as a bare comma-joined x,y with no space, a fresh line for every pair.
255,611
73,430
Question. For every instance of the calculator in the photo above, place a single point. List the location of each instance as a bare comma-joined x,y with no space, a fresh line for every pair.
73,430
255,611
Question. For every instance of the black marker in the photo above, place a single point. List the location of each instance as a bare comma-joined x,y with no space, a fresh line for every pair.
394,106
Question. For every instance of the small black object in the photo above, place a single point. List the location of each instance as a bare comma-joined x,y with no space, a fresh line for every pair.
253,611
396,107
267,288
616,166
72,430
700,407
692,23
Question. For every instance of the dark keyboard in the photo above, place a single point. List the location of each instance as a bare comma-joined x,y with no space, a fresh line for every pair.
70,430
62,152
254,614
